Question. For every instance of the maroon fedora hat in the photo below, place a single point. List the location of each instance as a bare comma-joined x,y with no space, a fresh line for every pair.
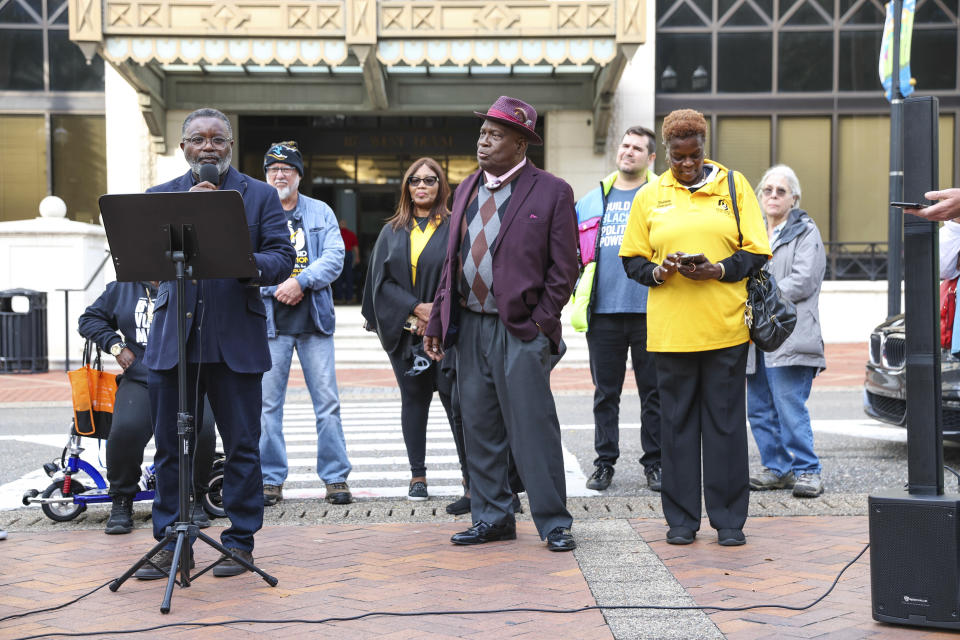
514,113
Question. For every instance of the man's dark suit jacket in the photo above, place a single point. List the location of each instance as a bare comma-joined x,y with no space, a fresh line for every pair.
534,258
234,314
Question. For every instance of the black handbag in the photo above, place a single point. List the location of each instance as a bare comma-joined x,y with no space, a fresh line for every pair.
769,317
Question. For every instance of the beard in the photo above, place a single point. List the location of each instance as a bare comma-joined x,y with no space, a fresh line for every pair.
284,192
222,163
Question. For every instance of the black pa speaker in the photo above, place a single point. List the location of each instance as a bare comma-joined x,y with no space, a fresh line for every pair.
914,570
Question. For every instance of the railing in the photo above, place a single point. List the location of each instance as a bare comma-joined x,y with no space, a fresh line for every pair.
66,311
856,260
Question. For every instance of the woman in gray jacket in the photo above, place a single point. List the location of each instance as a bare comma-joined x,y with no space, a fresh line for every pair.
778,388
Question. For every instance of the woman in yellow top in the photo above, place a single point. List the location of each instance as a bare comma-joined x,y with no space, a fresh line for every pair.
682,241
401,283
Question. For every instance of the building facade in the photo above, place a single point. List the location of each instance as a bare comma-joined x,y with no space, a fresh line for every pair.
92,93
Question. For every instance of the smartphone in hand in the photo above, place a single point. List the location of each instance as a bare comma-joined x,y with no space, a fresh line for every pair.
909,205
691,258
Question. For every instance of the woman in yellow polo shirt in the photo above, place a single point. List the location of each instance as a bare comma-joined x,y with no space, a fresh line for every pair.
401,282
683,241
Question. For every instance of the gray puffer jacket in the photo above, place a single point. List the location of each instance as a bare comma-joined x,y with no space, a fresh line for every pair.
798,264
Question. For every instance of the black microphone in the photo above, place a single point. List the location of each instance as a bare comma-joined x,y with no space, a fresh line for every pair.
209,173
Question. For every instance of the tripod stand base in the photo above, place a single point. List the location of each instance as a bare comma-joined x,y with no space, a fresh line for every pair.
182,552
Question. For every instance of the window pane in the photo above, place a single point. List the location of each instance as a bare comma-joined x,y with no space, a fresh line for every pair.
868,13
928,11
862,194
806,61
80,184
933,59
23,166
21,60
14,13
744,62
683,53
69,70
859,52
804,145
807,14
743,144
745,16
684,16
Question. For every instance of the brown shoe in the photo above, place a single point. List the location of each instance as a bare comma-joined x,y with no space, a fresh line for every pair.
338,493
272,494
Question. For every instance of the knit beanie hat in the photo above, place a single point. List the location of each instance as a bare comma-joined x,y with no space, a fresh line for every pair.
285,152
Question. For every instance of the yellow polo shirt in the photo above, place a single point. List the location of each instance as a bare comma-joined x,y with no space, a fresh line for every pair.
418,240
685,315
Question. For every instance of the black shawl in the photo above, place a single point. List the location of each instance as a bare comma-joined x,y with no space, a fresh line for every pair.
389,295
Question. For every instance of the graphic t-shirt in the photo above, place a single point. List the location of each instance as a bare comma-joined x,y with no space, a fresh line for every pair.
292,320
614,292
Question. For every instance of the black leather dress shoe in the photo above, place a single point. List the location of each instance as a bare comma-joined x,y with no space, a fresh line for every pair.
560,539
482,532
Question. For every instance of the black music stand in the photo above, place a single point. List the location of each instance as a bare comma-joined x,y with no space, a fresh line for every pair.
171,236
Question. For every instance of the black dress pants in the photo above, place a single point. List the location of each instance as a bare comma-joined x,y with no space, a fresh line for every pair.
610,337
132,429
703,404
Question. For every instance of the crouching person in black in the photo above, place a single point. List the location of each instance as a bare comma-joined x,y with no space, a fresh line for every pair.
119,322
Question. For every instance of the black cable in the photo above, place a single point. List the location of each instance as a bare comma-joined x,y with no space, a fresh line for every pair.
470,612
59,606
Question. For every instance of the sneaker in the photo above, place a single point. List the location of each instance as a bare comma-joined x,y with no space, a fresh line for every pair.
808,485
3,534
338,493
418,491
680,535
601,477
768,479
198,516
230,567
730,537
121,515
272,494
160,569
459,506
654,477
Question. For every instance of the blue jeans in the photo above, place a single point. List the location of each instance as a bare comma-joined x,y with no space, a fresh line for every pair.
777,410
315,351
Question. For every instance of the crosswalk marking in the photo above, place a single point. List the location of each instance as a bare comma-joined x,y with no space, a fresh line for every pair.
375,444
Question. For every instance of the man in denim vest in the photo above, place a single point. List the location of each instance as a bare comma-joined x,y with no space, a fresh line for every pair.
300,316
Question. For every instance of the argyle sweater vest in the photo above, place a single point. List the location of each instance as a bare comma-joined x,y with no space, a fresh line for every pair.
481,225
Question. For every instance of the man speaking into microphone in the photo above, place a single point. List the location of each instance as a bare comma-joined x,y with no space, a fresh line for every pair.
226,347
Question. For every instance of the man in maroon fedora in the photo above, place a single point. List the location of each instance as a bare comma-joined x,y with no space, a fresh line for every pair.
511,265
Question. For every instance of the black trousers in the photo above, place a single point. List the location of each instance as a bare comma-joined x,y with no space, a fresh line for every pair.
416,393
610,337
703,403
131,430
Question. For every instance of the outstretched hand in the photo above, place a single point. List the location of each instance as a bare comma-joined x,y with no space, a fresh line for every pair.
947,208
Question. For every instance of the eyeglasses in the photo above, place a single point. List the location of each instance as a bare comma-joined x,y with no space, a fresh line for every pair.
218,142
769,191
285,171
429,180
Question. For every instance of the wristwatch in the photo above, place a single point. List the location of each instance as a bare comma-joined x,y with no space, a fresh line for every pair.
118,348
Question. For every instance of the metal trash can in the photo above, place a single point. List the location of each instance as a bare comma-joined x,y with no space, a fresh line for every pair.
23,331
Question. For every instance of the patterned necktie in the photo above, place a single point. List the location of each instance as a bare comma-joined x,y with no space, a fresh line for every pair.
483,230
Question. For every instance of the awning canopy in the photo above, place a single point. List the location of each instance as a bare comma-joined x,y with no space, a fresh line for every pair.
365,41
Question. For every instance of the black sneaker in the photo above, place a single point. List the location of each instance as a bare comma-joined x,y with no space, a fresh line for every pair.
230,567
459,507
160,569
681,535
601,478
418,491
198,516
654,477
121,515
